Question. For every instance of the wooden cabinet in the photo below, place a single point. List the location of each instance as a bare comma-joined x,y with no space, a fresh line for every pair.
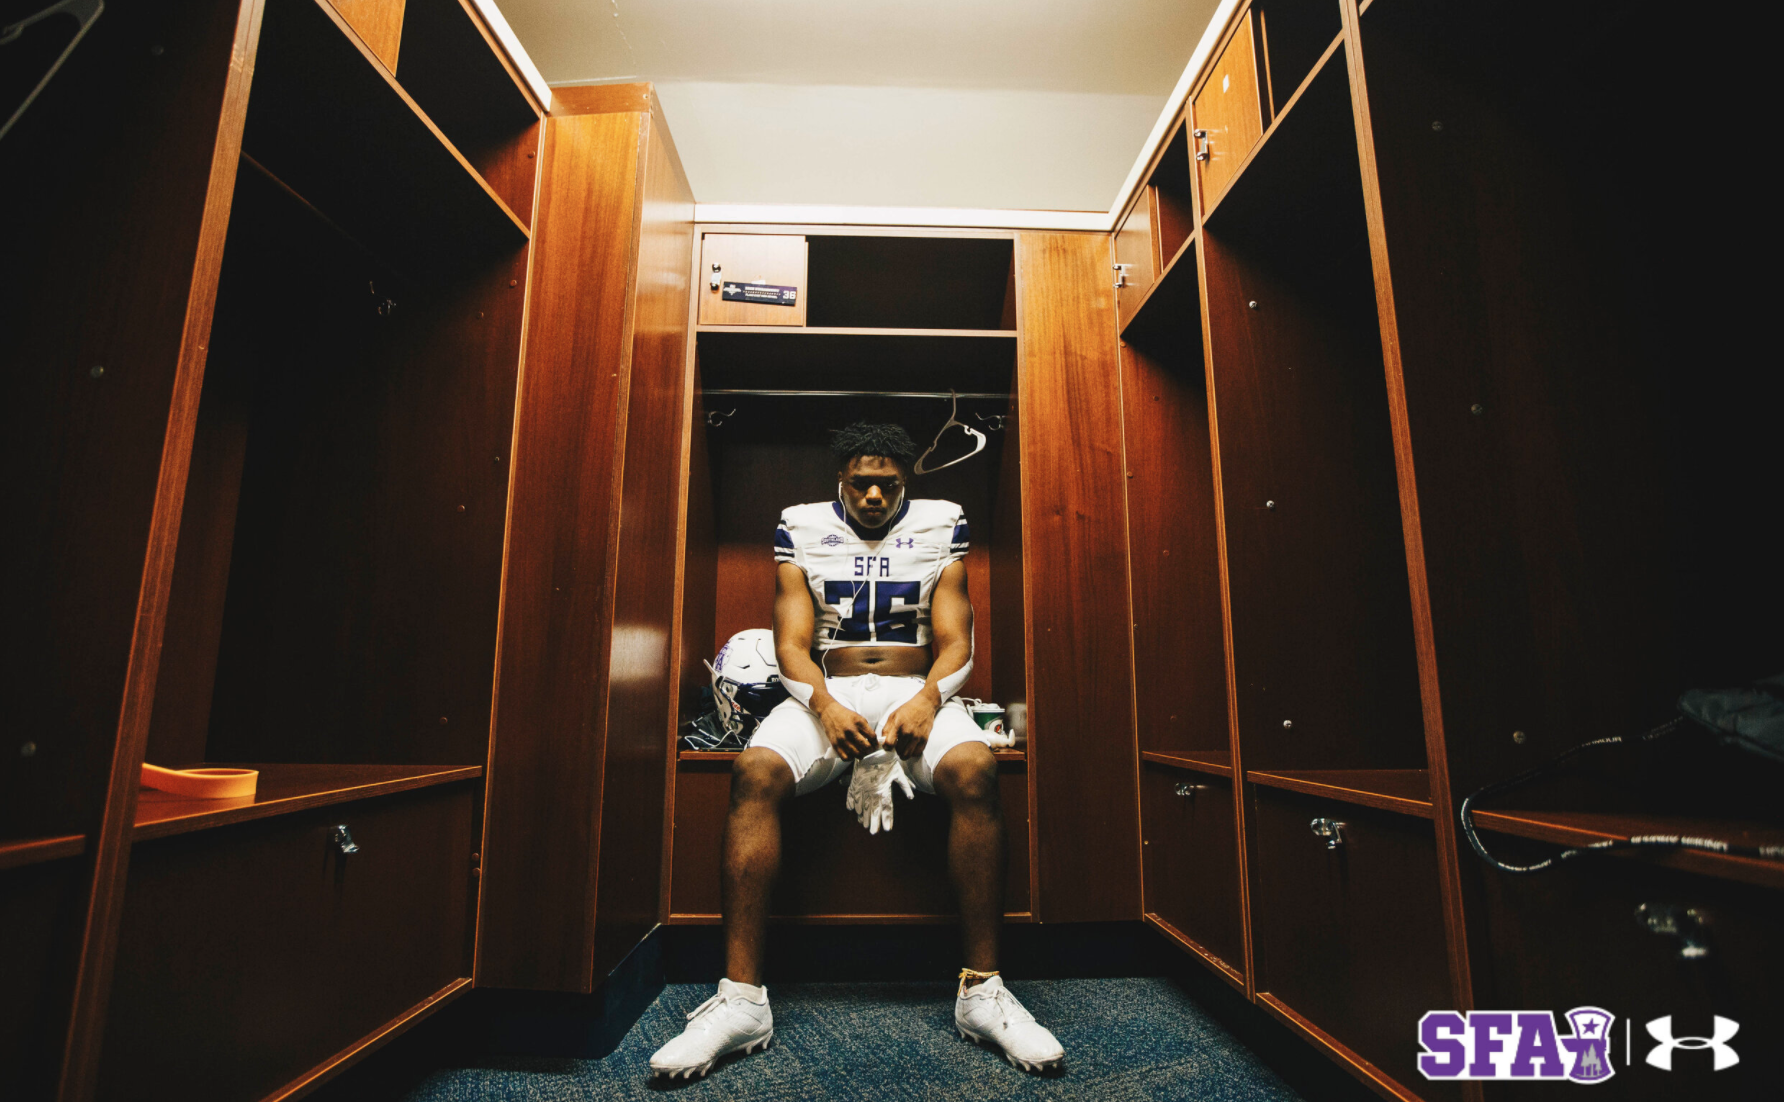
1443,402
250,954
1347,928
759,267
1227,113
1191,866
270,318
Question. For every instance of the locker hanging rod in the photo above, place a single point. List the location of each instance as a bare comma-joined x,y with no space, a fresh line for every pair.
942,394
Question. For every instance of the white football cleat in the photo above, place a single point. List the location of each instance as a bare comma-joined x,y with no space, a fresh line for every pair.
729,1021
990,1015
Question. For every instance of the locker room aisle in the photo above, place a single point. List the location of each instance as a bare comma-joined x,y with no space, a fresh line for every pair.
1125,1039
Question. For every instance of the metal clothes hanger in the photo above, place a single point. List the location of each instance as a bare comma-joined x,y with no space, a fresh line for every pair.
952,420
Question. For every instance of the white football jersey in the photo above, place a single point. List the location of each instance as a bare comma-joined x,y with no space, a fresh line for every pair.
872,593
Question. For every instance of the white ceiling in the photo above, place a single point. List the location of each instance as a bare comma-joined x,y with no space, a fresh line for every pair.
1011,104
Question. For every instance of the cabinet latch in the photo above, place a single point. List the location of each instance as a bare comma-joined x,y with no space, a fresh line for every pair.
1670,920
343,838
1330,829
1204,144
1184,788
717,279
1121,274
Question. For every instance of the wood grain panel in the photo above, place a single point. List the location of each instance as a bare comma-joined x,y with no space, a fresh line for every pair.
1180,697
1192,858
378,23
829,865
1082,746
250,954
535,928
1322,627
1351,938
642,671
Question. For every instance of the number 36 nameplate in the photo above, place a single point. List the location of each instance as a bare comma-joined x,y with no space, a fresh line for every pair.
765,293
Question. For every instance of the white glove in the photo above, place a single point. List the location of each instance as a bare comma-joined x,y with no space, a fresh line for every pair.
870,789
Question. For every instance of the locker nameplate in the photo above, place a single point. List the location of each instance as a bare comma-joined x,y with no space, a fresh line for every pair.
765,293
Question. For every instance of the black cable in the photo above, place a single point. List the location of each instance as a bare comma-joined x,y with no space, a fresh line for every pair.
1640,841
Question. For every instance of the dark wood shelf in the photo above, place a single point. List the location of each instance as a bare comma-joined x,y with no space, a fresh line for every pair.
19,852
1582,828
1407,791
1313,124
731,755
331,122
285,788
1217,762
847,331
1174,291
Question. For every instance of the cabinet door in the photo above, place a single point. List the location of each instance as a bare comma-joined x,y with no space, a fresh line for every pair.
1228,114
738,261
1647,943
1349,937
1134,247
251,953
1192,859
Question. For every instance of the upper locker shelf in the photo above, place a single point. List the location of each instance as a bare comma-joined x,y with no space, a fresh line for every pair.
330,122
859,283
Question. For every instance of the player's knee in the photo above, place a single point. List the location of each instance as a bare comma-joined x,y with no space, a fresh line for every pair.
760,775
968,772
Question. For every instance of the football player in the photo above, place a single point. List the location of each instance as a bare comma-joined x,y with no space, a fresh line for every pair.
873,635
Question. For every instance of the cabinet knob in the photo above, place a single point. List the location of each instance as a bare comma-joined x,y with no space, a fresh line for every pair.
1671,920
343,838
1204,145
1330,829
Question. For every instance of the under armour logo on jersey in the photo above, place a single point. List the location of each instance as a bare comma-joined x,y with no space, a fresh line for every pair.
1662,1054
904,543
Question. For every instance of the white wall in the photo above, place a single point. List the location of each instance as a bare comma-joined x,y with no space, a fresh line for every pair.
905,146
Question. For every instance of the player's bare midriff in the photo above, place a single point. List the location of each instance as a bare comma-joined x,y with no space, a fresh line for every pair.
885,661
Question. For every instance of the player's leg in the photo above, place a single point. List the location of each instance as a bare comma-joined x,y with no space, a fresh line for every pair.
761,782
966,777
788,755
959,766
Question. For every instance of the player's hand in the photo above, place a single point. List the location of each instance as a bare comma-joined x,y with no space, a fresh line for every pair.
907,729
848,731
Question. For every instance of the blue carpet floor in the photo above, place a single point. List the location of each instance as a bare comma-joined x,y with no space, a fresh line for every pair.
1125,1040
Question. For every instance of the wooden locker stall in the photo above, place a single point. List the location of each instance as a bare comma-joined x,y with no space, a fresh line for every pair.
277,500
572,842
1006,320
1417,545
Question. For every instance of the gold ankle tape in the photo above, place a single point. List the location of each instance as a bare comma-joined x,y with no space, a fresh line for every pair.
969,974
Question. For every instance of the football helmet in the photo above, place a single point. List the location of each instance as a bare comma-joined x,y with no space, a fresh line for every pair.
746,682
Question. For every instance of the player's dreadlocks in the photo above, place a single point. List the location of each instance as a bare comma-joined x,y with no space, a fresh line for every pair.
862,438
